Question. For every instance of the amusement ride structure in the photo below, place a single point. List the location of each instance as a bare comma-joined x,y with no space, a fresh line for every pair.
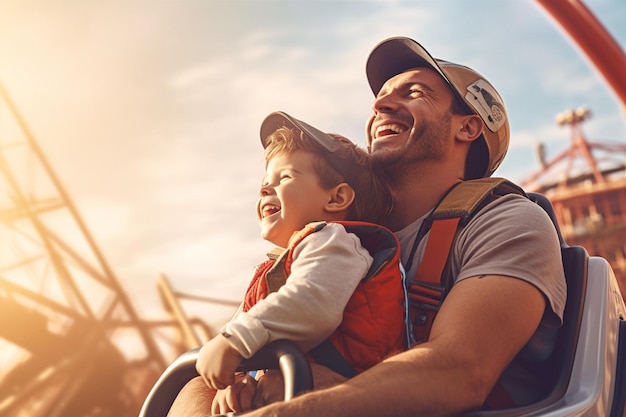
586,184
71,342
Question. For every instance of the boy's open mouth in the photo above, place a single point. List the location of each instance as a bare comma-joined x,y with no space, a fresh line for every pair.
269,209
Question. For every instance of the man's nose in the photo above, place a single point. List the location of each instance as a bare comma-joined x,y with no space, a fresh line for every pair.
384,103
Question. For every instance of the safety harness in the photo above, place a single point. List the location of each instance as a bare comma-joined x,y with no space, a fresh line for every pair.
432,281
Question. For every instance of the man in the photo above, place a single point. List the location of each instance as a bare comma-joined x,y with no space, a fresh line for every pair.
434,124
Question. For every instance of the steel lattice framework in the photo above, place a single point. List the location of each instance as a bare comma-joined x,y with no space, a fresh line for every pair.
71,342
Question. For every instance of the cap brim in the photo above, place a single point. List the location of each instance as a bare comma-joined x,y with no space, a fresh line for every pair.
276,120
280,119
394,56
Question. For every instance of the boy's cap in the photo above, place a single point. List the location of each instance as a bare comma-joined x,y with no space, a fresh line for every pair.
280,119
327,143
396,55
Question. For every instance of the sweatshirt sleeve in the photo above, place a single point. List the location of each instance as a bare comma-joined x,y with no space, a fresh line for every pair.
327,267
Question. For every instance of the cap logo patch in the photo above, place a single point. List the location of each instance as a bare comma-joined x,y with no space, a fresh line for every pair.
487,104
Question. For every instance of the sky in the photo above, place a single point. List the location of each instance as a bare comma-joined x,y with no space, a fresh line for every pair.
149,111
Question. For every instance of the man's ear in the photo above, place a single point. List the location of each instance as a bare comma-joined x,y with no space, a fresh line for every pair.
341,196
471,127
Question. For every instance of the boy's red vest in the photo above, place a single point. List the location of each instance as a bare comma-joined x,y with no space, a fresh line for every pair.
373,321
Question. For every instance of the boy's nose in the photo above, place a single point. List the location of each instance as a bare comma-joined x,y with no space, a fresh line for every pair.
266,189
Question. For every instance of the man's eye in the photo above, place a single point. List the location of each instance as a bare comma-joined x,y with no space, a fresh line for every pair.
415,92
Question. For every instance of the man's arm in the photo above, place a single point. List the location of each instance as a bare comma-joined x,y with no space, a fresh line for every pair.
481,326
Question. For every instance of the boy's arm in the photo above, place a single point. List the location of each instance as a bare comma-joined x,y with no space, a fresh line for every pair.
328,266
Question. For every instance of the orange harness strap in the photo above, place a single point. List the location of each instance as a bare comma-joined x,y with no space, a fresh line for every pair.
426,287
425,291
429,287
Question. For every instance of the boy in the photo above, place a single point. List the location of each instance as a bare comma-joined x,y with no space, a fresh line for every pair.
315,180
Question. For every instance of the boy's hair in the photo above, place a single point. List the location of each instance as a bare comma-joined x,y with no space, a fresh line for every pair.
372,201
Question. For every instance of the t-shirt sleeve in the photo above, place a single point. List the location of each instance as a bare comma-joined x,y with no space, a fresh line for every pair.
514,237
327,267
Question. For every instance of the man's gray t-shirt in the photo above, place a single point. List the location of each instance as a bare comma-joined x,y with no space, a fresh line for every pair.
512,237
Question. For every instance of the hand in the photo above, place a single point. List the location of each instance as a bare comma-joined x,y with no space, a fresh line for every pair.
217,362
236,397
271,386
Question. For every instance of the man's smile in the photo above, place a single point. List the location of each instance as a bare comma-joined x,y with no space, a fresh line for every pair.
388,129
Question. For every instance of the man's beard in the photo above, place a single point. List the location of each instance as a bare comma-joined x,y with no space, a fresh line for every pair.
428,142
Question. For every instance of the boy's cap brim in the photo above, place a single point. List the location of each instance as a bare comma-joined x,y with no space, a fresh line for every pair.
346,167
280,119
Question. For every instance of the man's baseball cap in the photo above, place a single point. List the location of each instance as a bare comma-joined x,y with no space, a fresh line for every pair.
327,144
396,55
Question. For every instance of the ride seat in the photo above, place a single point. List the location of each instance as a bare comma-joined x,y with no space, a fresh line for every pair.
556,370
